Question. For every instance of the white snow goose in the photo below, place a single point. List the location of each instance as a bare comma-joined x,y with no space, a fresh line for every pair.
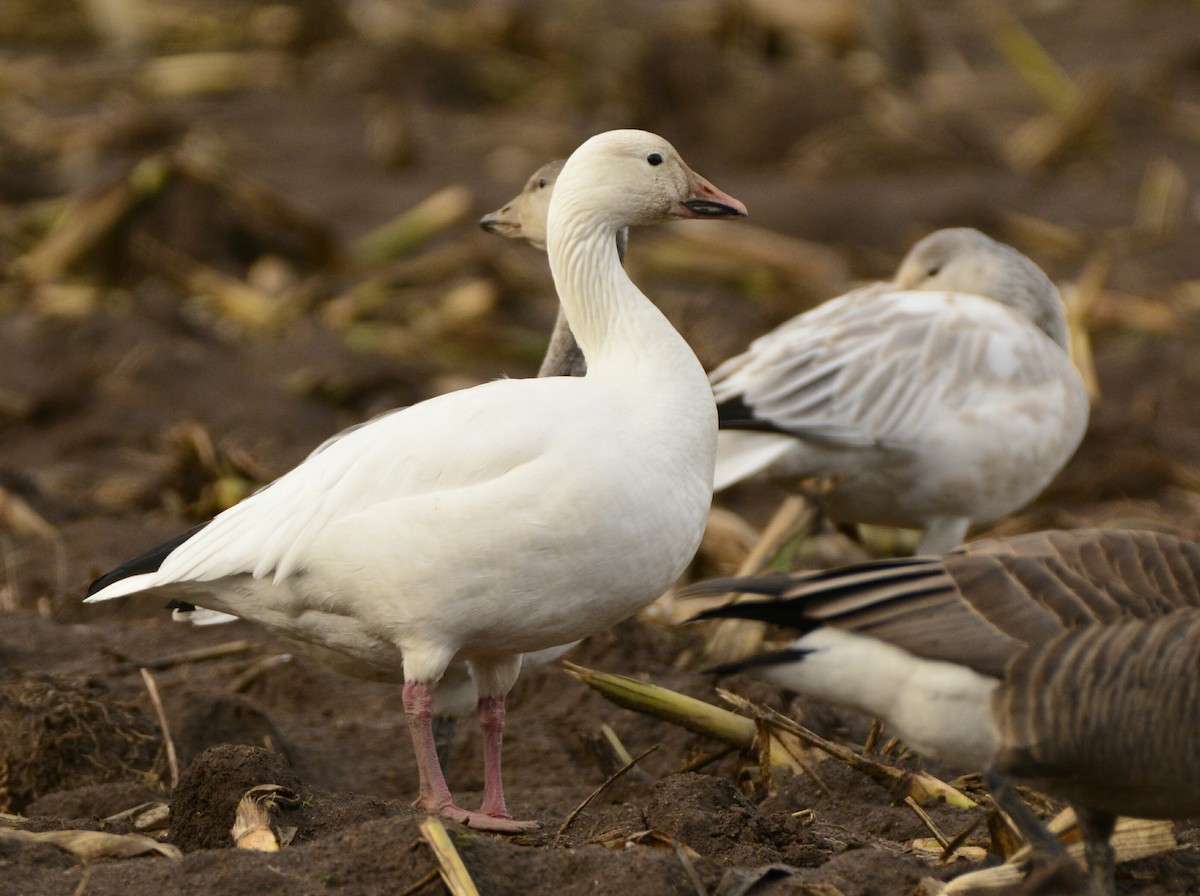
503,519
941,400
1065,660
522,217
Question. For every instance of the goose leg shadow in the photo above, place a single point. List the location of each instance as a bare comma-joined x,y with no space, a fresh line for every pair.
1097,828
1047,848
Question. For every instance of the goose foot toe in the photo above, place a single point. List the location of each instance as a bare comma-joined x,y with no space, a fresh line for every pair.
501,825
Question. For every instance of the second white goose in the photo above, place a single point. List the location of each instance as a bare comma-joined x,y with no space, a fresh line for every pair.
503,519
943,399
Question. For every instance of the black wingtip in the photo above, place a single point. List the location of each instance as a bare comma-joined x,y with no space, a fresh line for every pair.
777,612
734,413
770,658
150,561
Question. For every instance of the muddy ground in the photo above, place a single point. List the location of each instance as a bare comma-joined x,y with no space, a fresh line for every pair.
190,303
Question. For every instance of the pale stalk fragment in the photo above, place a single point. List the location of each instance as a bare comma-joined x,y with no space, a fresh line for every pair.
92,845
679,709
450,864
252,828
733,639
921,786
1134,838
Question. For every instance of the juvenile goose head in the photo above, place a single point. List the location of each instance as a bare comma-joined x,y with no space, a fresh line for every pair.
961,259
1066,660
524,216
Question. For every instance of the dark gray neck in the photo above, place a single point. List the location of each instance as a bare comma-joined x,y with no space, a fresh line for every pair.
564,357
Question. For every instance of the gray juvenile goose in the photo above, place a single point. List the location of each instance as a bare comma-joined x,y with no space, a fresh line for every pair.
1045,658
524,218
942,399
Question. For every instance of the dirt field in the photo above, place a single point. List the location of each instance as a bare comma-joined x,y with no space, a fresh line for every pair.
196,292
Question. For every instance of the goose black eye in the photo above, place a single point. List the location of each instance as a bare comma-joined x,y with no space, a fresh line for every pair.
541,183
654,158
934,271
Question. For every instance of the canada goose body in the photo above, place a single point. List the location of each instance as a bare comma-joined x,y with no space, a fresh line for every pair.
1045,658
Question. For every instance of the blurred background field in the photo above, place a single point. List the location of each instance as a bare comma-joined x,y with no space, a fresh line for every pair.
229,229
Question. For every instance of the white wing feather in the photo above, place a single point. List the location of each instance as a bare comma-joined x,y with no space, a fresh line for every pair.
268,533
878,367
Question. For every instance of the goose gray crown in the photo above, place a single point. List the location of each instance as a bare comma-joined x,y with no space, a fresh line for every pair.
1044,658
498,520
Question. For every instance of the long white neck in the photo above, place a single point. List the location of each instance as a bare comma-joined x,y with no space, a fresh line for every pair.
624,337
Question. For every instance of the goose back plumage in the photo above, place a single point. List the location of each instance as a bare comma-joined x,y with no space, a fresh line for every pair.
1122,705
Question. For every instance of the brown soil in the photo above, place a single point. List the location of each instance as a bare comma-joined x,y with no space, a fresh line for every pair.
140,392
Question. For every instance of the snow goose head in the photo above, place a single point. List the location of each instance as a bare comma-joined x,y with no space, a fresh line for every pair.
615,180
630,178
524,216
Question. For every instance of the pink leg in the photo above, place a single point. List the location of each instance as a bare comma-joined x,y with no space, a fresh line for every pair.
490,711
491,722
434,796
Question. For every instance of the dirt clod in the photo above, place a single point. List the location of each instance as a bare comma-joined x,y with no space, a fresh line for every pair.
58,732
204,804
709,815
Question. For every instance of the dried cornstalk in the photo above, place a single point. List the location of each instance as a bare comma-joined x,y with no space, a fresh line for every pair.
190,74
679,709
450,864
410,229
252,828
156,702
228,297
1047,139
89,217
1080,298
1161,201
1027,57
921,786
628,766
19,518
810,268
1134,838
92,845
